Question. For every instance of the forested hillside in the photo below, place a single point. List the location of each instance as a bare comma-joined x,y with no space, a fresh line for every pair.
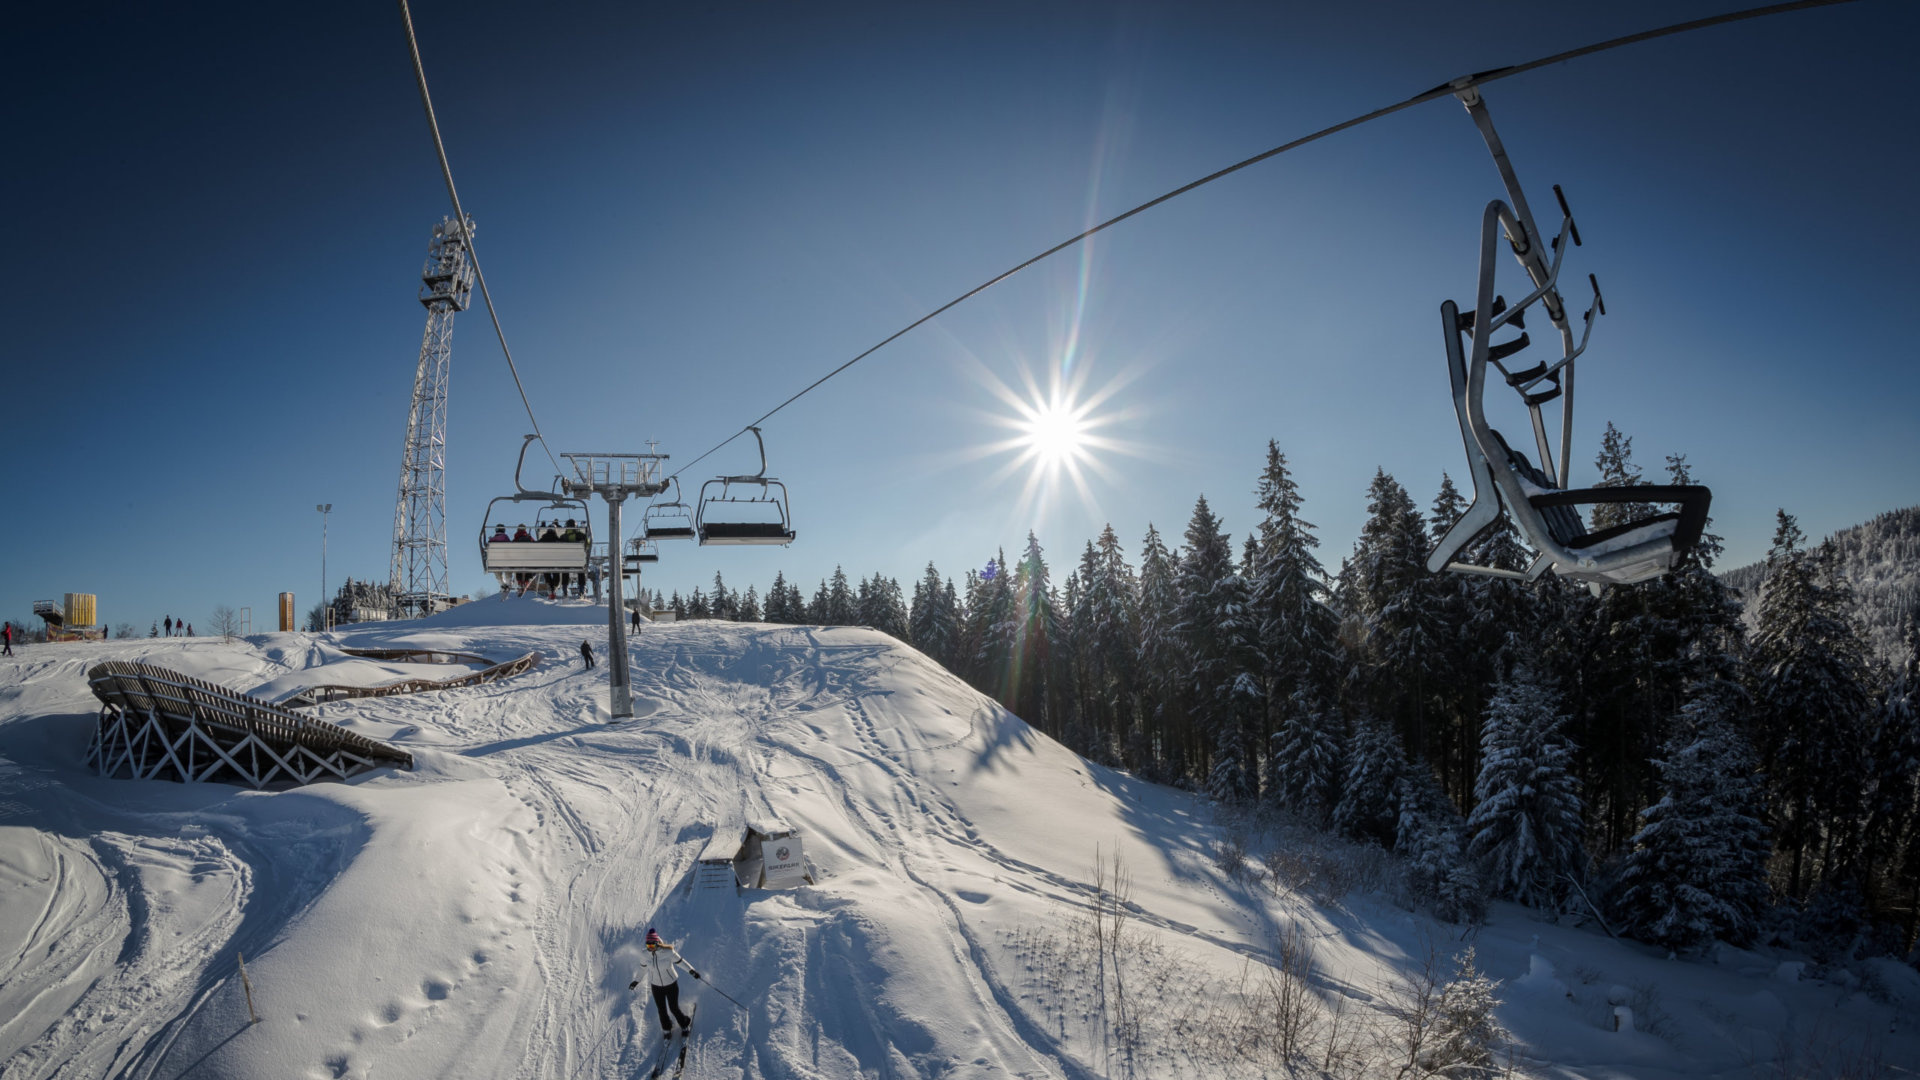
1695,770
1881,559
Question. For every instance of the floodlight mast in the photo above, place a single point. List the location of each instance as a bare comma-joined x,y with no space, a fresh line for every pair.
615,478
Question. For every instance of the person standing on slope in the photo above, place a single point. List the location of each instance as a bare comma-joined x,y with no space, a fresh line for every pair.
586,653
660,973
8,634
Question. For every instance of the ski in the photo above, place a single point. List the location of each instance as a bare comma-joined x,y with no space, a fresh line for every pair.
666,1048
686,1036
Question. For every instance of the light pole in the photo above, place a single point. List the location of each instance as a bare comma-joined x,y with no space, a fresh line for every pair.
326,609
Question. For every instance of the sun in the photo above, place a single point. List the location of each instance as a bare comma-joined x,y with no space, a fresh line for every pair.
1054,433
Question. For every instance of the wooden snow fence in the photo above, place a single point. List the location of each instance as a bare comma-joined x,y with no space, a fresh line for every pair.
317,695
157,724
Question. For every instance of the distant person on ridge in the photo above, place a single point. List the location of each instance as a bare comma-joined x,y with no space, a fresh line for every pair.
661,961
636,620
586,650
7,635
169,626
189,629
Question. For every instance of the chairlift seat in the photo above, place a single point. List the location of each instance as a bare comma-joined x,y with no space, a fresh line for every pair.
536,556
745,532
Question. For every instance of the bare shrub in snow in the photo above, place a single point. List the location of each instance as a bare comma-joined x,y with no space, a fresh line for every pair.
1819,1054
225,622
1440,1022
1230,854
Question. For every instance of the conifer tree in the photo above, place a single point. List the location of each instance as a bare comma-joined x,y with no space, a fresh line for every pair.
1305,763
777,610
934,625
1160,749
1385,585
1206,640
749,610
1615,463
1298,641
1036,626
1810,691
1893,821
1526,825
1369,807
1698,868
842,608
1431,835
724,604
820,608
698,606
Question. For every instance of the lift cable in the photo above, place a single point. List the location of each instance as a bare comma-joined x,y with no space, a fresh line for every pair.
473,253
1444,90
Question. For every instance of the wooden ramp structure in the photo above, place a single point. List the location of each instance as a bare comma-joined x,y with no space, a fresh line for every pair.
157,724
316,695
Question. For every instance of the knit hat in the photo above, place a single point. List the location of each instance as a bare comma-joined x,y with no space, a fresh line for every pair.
653,937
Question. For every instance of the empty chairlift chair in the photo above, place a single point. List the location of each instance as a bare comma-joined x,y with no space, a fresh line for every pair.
746,509
670,520
1537,499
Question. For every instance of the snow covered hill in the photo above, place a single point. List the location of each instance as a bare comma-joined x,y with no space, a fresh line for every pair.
480,916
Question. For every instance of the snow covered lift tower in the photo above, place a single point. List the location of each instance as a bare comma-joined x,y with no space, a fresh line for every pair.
615,478
419,575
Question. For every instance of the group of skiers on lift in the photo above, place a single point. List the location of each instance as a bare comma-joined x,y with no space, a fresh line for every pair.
550,532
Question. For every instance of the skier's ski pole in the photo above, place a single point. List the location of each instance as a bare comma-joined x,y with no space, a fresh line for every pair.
721,992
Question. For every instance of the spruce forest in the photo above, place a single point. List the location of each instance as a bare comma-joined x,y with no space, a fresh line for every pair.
1689,761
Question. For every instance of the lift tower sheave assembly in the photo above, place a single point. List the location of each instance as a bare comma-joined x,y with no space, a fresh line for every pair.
419,574
615,478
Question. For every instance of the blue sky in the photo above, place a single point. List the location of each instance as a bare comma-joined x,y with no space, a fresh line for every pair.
218,215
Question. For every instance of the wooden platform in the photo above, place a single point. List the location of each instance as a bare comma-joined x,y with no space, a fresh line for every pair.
157,724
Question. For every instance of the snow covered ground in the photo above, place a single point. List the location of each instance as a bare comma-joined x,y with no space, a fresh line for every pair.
480,916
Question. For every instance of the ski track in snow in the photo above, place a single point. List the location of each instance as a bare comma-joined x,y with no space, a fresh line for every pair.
480,916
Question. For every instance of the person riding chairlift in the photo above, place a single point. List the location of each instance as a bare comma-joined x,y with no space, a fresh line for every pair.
500,537
576,583
521,535
551,535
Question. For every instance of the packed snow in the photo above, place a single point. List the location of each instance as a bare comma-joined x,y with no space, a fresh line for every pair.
481,915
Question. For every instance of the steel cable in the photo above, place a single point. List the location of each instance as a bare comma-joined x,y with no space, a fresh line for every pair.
460,215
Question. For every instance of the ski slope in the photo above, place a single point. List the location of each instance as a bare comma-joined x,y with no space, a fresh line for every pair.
480,916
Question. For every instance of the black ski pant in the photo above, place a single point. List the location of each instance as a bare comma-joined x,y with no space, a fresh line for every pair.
667,998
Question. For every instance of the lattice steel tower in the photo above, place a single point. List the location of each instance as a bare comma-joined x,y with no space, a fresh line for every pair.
419,577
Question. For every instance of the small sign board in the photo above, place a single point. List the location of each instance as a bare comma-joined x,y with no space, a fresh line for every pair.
784,864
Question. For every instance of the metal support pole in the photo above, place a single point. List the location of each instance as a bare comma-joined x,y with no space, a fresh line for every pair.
620,698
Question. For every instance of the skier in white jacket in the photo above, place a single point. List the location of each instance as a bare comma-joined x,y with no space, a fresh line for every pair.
661,971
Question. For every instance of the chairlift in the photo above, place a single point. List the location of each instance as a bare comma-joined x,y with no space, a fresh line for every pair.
1537,499
511,558
640,552
670,520
754,514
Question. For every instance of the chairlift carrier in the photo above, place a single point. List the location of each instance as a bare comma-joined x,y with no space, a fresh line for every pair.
774,524
670,520
536,556
1538,500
